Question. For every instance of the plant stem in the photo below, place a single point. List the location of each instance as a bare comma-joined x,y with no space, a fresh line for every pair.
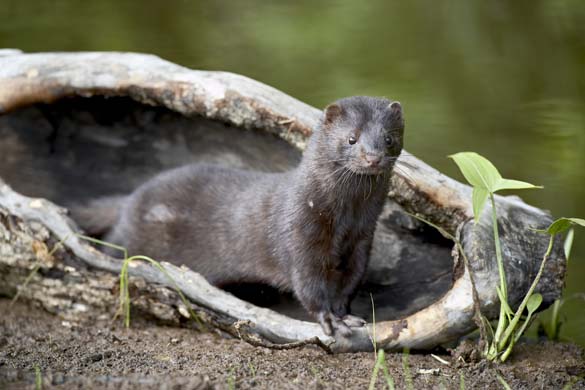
502,321
387,376
553,333
125,294
518,314
377,364
508,350
406,369
38,378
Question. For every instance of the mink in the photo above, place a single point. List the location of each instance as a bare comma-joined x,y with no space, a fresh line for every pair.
308,230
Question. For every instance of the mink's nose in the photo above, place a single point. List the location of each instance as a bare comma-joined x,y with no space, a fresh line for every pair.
373,160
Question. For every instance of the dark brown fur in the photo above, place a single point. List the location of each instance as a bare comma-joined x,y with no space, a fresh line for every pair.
308,230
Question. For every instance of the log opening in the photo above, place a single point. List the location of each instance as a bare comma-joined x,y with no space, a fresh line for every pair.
78,149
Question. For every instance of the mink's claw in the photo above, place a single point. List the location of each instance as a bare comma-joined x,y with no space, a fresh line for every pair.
332,324
354,321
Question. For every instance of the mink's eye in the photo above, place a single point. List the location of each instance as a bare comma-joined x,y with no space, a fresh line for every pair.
352,140
389,140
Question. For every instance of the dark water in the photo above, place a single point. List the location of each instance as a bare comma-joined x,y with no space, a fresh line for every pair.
505,79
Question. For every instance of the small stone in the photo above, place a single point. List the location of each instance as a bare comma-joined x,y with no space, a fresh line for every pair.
58,379
96,357
430,371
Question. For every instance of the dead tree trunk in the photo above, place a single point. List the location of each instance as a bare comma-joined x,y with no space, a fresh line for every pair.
81,125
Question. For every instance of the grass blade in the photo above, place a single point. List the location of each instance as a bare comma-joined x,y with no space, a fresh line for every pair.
406,369
124,306
38,378
387,376
503,382
377,365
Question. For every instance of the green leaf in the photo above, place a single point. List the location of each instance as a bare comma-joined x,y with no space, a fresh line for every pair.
507,184
563,224
482,174
478,170
569,243
534,302
480,196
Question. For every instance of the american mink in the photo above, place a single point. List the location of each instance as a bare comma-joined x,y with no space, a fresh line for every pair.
308,230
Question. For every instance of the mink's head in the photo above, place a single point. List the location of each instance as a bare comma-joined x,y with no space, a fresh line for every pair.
363,134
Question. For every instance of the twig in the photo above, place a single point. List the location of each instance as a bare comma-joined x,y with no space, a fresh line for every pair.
440,360
258,342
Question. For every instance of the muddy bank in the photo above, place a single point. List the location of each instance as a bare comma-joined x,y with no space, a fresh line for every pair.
149,356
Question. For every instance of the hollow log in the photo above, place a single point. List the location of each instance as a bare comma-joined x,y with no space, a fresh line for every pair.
77,126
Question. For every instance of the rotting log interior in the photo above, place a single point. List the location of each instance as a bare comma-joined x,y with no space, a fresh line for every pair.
81,148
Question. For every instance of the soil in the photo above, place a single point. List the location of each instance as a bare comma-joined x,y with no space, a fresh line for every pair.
151,356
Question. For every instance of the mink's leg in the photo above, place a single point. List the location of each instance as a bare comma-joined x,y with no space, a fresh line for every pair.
313,287
353,274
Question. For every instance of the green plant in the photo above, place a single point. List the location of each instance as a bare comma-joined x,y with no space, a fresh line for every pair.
381,364
317,375
559,226
406,369
231,380
532,301
252,370
553,327
38,378
486,180
124,291
503,382
124,304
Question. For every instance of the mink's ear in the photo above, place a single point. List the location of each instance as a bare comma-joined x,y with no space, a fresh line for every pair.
332,113
396,112
395,109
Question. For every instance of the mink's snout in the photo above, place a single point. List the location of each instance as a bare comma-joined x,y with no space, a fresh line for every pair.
373,160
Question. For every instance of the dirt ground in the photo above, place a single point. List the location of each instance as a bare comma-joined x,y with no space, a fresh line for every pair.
104,355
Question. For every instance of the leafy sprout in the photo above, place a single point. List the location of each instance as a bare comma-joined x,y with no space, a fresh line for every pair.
485,179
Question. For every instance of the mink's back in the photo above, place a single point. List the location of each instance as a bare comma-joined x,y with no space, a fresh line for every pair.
218,221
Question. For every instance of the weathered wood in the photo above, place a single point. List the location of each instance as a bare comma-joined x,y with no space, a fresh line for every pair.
47,78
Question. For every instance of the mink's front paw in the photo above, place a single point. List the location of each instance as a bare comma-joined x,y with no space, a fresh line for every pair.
333,324
354,321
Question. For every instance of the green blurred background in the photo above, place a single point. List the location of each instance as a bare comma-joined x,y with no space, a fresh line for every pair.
502,78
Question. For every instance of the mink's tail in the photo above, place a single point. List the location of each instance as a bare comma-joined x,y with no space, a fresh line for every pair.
99,215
